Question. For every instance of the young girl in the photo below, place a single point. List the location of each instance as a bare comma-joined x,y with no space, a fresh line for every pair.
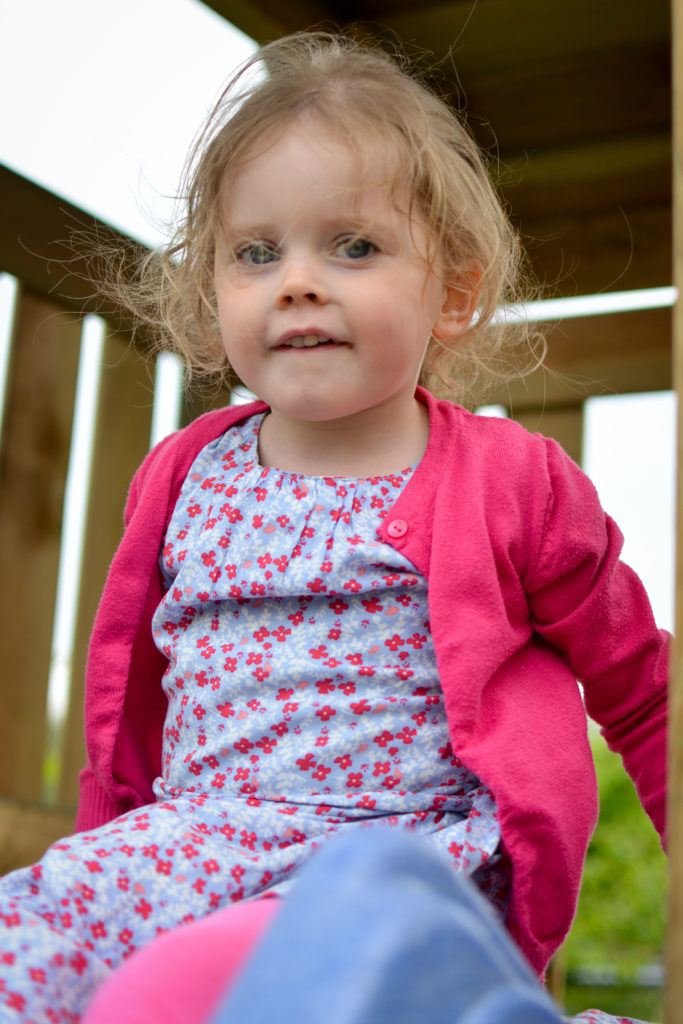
347,605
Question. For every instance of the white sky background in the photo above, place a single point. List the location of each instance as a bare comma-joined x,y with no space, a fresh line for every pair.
101,103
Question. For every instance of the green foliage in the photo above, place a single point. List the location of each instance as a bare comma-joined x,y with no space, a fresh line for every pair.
620,921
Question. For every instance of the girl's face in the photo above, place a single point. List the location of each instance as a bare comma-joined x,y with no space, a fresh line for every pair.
326,302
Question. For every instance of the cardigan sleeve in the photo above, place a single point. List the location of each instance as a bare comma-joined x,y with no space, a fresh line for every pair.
594,609
124,701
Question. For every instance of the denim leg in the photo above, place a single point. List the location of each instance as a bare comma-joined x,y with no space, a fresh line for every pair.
380,930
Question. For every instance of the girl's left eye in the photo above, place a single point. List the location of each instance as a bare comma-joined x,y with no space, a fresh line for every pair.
355,248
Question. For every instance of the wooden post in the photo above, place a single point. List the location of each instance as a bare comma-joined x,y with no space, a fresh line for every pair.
674,994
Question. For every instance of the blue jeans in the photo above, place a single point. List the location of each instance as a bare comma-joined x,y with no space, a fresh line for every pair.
379,930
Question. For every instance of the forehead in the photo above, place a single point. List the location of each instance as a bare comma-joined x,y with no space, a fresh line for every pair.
312,163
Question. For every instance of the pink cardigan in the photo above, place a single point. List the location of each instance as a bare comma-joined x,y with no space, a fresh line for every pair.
526,595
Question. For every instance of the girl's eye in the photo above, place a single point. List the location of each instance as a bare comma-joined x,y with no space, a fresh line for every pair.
355,248
256,254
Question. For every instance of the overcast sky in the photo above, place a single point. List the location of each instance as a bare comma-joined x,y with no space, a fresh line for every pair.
100,105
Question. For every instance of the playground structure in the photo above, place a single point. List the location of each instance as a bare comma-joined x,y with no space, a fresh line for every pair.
576,98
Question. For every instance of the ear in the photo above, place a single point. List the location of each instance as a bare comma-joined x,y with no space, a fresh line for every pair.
461,296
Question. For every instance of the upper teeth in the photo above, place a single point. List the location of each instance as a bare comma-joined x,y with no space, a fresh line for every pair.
306,340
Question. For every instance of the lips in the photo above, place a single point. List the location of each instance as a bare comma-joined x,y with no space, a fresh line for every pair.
308,339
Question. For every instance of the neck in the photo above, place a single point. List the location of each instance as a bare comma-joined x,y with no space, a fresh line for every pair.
367,444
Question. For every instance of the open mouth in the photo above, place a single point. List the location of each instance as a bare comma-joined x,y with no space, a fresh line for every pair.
308,341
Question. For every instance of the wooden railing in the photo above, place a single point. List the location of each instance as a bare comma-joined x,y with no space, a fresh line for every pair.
51,302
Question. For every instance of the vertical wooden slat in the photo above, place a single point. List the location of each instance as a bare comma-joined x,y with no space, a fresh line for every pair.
124,418
564,423
674,993
36,440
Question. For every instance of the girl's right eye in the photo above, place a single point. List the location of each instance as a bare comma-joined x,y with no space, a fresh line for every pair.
256,254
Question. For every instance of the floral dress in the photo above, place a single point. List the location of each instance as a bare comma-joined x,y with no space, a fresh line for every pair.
303,700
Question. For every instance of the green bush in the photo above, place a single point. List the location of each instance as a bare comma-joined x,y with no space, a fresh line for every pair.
620,921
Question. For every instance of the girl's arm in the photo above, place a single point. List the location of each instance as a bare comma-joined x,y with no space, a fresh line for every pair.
593,607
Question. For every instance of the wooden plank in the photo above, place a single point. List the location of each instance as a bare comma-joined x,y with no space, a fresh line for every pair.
26,830
499,35
674,959
121,441
564,424
607,250
35,229
36,442
599,355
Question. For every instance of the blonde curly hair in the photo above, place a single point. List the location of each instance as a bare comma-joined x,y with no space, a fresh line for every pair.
364,93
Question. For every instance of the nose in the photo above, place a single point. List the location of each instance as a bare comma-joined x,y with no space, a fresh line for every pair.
301,283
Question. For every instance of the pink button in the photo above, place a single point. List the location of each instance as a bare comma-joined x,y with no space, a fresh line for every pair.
397,528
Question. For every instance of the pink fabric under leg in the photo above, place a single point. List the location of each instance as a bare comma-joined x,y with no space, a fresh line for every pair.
180,977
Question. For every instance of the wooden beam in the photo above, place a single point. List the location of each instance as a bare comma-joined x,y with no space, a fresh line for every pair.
599,355
36,440
26,830
36,227
674,993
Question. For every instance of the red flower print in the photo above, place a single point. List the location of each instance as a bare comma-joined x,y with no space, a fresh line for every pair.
317,586
248,839
382,768
143,908
325,686
338,606
209,558
353,585
226,710
280,728
383,738
233,515
211,867
406,734
283,694
243,745
218,781
306,762
372,605
394,642
347,688
360,707
267,744
344,761
321,772
417,641
194,510
354,780
281,634
326,713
